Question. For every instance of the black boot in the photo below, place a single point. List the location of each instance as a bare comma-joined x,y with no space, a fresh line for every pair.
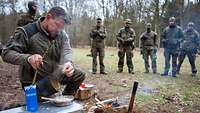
131,71
103,72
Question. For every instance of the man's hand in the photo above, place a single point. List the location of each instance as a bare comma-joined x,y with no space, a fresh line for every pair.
68,69
96,33
35,60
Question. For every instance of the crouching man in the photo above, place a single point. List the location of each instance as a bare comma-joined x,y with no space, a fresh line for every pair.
43,51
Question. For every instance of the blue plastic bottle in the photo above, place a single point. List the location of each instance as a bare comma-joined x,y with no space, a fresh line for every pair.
31,98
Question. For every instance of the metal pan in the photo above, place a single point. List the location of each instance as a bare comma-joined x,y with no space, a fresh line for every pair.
60,101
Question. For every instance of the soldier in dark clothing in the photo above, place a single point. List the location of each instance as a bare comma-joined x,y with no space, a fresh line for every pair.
30,16
97,36
125,38
189,46
171,38
148,47
43,51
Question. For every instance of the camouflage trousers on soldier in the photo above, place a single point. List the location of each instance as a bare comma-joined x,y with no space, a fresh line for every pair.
101,53
128,51
191,54
152,54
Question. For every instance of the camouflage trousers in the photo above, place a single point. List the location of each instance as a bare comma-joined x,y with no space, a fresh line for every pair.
152,54
191,54
128,51
101,53
46,88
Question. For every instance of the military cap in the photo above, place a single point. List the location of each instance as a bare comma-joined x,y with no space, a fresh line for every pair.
31,4
128,21
99,19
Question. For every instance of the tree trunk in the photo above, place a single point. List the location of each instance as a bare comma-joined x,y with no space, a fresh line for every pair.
157,20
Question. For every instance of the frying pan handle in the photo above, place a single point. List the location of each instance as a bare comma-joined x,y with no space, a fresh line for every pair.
46,98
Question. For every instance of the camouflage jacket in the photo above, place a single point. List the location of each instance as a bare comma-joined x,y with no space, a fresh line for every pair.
26,18
171,37
97,36
32,39
191,40
148,40
126,38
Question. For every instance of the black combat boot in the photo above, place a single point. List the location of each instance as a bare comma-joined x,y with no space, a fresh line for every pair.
131,71
103,72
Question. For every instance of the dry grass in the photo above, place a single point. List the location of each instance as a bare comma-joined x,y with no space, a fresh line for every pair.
155,94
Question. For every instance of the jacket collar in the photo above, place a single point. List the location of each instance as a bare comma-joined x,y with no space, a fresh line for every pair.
40,28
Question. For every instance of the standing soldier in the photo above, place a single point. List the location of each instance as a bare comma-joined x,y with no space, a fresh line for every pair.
97,36
148,47
30,16
125,39
171,38
189,46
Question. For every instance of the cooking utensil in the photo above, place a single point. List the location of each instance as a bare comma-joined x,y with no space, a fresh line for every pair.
60,100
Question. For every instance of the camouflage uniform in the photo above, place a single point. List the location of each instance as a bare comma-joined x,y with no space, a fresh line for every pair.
30,16
97,36
26,18
32,39
125,38
148,46
171,38
189,46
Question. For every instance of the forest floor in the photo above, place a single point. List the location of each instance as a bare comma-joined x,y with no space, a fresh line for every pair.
155,94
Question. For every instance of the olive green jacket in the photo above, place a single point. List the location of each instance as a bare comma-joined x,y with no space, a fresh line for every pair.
32,39
148,40
126,37
97,36
26,19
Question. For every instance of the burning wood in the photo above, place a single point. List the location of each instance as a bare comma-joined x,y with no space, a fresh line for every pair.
102,106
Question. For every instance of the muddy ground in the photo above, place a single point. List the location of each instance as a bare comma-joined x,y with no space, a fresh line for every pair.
155,94
11,94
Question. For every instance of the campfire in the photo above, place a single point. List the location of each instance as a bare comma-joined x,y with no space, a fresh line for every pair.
113,105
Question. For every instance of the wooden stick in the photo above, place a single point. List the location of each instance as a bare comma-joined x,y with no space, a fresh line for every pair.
131,104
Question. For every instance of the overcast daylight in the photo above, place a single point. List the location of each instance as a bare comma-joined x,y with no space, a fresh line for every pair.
99,56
